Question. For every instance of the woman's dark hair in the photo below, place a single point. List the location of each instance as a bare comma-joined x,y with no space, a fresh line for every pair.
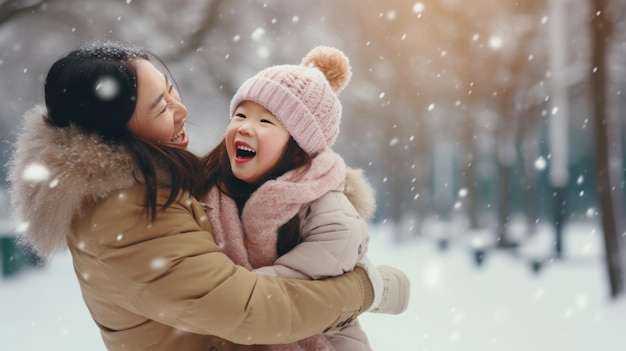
94,89
218,173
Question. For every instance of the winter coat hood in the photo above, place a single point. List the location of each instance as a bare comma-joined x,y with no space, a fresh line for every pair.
54,172
361,195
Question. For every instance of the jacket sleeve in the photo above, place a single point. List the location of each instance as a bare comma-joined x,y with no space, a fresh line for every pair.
171,271
334,238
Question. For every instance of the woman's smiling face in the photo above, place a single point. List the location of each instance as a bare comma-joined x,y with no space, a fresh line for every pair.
159,115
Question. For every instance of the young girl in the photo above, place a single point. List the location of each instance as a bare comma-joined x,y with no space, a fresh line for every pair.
302,212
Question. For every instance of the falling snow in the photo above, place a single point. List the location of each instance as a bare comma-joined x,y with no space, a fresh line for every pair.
541,164
36,172
158,263
418,7
463,192
107,88
258,34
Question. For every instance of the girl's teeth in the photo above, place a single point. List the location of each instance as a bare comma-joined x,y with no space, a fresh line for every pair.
245,152
245,148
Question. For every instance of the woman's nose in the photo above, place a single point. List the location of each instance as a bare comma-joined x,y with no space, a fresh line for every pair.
181,110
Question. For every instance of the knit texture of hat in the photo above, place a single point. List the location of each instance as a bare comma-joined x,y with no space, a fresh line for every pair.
304,98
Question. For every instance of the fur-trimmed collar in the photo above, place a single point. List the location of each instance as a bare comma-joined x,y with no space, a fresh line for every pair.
360,193
54,172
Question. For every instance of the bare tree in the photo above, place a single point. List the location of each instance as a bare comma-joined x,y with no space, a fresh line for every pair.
611,203
12,9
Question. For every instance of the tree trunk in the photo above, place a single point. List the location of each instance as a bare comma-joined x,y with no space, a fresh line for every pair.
558,125
505,159
530,152
609,195
470,179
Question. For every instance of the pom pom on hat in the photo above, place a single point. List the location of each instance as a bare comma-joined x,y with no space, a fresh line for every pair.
302,97
333,63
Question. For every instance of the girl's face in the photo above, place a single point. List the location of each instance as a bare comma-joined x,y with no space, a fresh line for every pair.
255,142
159,116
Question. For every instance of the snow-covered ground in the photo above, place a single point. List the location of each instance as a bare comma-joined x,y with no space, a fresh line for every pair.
455,305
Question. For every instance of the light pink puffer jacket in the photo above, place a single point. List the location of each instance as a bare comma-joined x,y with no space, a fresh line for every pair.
333,203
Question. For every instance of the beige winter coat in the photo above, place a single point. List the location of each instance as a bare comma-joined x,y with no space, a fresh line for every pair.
163,285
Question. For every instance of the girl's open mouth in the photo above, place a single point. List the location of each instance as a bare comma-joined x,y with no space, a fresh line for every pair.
244,151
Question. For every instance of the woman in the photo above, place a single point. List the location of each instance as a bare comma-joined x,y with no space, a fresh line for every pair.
103,169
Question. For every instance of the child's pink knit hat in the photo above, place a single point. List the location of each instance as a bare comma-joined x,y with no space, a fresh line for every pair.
302,97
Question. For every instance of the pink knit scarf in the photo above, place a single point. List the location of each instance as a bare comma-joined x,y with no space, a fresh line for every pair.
251,240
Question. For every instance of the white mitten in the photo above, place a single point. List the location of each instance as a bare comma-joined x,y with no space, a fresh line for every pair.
391,287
